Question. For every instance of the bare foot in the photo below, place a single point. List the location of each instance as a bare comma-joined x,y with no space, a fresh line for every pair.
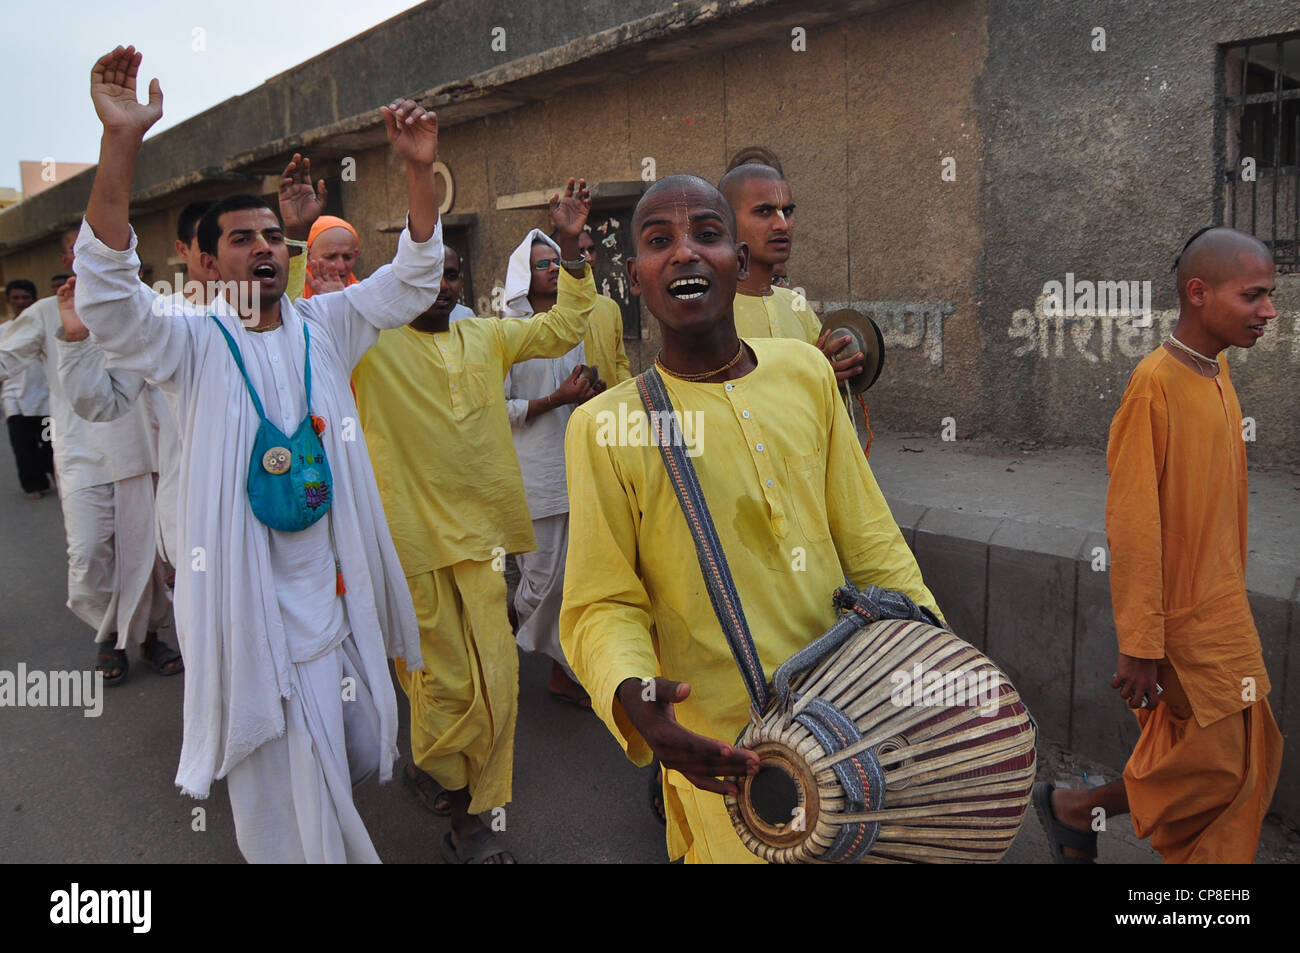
565,688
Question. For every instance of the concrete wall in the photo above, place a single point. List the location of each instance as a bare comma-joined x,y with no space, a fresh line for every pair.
867,213
1102,164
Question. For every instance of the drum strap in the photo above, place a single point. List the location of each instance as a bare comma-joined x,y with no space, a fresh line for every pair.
860,775
666,428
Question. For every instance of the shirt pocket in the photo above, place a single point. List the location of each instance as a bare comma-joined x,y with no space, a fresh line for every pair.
806,479
470,390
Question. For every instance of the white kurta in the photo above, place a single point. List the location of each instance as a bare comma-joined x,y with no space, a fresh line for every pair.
85,453
98,392
25,393
106,490
230,618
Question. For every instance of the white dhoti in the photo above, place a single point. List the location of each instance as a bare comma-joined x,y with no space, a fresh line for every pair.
541,589
116,582
292,797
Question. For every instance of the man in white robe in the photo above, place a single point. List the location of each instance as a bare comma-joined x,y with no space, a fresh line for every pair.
540,397
25,399
287,693
116,584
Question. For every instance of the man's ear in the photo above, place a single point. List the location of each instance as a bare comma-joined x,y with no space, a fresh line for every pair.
182,250
209,263
1196,290
742,259
634,282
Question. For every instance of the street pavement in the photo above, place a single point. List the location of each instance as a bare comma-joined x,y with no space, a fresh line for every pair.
76,789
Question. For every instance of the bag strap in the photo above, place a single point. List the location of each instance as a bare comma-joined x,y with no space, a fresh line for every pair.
239,362
708,547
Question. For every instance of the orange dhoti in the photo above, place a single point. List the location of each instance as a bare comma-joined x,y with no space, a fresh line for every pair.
1201,792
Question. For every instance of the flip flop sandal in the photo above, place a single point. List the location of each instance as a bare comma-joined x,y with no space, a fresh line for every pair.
107,659
427,790
482,845
159,655
1059,836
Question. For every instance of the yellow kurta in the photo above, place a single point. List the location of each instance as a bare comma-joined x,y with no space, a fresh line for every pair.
433,409
433,412
604,342
797,510
1176,521
297,276
776,316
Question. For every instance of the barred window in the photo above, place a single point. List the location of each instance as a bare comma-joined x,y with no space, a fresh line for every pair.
1260,157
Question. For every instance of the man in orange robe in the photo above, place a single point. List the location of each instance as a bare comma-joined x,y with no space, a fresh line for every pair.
333,248
1204,769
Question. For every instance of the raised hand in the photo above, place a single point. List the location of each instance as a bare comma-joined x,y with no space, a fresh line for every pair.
73,328
569,213
412,130
112,90
701,760
300,204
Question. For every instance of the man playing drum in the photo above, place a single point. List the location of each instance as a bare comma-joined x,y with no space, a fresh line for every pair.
795,504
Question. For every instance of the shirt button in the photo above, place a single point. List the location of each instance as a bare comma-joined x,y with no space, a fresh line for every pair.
274,359
769,482
453,386
731,387
745,414
758,447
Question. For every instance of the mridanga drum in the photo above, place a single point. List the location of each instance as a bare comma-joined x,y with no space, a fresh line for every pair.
893,742
869,750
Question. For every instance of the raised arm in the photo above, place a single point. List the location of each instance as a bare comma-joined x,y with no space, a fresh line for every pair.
112,89
135,327
300,206
556,332
413,132
395,294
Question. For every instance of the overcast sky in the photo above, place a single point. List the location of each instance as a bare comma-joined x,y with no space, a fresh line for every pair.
50,47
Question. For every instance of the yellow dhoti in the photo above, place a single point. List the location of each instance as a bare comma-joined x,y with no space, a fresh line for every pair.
464,702
1201,793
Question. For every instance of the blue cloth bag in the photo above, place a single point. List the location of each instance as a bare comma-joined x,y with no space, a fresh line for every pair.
289,479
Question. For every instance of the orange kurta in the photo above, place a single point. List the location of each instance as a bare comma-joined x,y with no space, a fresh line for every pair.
1203,772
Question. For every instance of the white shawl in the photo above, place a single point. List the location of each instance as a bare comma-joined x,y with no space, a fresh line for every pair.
229,622
519,275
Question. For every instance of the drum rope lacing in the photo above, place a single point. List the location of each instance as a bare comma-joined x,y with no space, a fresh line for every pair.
860,775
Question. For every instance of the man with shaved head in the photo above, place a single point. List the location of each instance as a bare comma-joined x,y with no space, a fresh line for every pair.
795,504
1202,774
764,208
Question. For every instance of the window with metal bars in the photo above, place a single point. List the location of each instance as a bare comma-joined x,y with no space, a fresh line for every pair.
1260,153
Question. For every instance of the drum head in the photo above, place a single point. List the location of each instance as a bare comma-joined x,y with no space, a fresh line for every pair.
780,804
